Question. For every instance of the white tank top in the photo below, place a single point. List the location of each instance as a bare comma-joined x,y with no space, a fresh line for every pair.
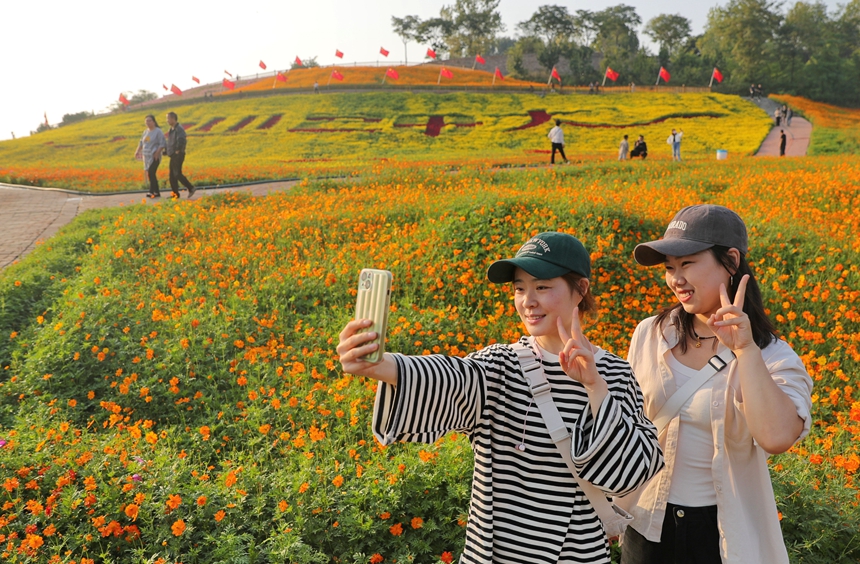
692,482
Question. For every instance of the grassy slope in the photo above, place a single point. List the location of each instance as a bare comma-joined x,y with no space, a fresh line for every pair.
103,147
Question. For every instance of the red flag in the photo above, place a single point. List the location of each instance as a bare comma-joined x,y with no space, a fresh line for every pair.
499,74
262,65
611,74
227,73
336,75
195,79
446,73
175,89
123,99
555,75
431,53
664,74
165,87
228,85
338,54
718,75
480,59
392,74
281,77
299,61
383,51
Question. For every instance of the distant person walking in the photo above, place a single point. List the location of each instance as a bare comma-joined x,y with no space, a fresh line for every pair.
776,116
640,148
782,141
675,141
623,149
316,87
149,150
556,137
176,143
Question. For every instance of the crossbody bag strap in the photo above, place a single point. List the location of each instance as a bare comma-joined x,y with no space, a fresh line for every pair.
560,434
674,404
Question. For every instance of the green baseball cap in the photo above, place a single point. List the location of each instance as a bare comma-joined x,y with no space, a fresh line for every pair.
544,256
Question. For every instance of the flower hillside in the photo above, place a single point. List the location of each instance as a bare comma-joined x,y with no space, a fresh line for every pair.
306,135
416,75
835,129
170,390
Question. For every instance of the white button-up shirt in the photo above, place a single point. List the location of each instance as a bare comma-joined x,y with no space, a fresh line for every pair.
747,516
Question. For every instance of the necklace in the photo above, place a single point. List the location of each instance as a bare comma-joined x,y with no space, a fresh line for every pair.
699,339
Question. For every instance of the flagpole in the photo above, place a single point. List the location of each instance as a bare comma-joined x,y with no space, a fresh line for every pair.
475,63
604,79
711,84
494,79
439,80
658,80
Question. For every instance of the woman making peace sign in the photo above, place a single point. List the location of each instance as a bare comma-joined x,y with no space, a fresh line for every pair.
713,502
526,506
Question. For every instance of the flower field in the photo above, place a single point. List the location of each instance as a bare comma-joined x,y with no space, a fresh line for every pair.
335,134
170,390
836,130
420,75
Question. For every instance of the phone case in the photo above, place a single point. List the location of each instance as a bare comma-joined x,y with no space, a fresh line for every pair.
374,295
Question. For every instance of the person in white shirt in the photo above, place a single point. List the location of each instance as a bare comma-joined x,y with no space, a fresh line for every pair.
623,149
556,136
713,503
675,141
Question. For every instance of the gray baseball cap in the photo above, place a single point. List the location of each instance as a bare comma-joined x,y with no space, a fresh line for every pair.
692,230
544,256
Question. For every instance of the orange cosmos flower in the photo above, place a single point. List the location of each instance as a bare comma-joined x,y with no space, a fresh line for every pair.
178,528
396,529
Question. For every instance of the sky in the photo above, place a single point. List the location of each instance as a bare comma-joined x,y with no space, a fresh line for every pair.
59,57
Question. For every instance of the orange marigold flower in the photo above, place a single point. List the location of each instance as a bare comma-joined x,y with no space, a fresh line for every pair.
178,528
376,558
816,458
417,522
338,481
304,487
447,557
396,529
385,515
201,501
283,505
220,515
230,480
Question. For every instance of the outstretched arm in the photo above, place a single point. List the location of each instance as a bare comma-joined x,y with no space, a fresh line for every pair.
354,345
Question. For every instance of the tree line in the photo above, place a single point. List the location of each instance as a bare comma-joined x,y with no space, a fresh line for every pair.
803,49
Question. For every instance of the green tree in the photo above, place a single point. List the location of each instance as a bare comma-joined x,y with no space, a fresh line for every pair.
407,28
616,37
476,23
743,34
670,32
554,27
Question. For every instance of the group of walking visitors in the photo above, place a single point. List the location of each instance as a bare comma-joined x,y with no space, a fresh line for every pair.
154,144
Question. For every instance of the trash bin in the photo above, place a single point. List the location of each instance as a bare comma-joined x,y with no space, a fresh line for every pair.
722,155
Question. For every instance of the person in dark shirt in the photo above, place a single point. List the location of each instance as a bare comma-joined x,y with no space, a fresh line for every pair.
782,141
176,142
640,148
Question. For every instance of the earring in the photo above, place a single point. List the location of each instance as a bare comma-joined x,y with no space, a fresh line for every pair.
731,280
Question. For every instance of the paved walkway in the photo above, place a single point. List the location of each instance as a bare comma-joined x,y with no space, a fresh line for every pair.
797,134
31,215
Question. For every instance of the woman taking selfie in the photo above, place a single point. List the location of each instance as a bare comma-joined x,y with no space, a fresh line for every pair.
526,505
724,393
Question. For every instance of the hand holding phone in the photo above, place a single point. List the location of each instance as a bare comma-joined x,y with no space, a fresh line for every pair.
372,302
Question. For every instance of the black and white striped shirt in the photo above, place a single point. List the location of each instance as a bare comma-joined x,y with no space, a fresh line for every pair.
526,507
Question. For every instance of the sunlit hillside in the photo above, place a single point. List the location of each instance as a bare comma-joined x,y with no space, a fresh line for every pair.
253,138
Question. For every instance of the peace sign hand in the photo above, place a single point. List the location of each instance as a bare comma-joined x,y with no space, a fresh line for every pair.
729,323
576,358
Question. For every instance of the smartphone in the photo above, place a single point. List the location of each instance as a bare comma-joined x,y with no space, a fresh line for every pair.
374,298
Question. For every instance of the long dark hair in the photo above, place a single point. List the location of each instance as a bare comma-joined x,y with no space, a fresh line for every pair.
152,117
763,330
